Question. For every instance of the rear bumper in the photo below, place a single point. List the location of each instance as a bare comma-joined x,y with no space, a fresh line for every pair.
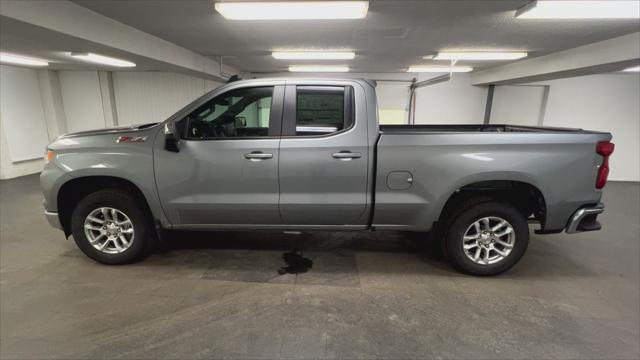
53,219
584,219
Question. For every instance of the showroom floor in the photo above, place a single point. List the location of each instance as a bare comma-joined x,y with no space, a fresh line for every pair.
377,295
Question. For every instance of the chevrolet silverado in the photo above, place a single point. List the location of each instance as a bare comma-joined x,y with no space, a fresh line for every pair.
309,154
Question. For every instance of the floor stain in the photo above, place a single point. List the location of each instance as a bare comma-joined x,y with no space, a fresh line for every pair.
295,263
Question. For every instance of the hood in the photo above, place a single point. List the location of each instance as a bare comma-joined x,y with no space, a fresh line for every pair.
108,130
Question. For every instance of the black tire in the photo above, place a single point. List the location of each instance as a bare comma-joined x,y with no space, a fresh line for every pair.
453,240
142,242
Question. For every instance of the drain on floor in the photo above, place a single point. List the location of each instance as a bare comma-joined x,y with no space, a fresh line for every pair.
295,263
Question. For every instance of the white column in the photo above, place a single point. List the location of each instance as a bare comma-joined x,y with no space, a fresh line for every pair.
108,98
51,96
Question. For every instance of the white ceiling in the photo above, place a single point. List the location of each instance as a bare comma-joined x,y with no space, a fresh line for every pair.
26,39
394,35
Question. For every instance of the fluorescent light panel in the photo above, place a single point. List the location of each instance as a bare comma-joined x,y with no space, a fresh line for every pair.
585,9
633,69
313,55
294,10
480,55
439,69
13,59
318,68
104,60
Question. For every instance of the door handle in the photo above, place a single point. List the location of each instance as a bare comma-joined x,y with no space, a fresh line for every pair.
257,156
346,155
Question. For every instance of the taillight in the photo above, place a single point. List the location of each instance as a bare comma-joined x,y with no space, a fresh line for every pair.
604,148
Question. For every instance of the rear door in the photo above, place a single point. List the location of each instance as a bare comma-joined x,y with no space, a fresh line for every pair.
323,157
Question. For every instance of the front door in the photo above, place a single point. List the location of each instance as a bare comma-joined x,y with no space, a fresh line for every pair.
226,169
323,158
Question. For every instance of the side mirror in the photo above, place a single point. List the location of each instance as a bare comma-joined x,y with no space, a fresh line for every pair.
171,138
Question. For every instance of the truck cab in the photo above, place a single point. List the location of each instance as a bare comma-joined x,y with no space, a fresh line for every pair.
271,153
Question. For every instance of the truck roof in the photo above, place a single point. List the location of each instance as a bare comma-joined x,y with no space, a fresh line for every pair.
311,79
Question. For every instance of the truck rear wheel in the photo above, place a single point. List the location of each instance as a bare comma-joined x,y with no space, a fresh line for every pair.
109,227
486,238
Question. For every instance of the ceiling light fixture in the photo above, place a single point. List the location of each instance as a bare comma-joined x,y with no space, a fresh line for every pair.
104,60
480,55
318,68
293,10
313,55
633,69
13,59
439,69
580,9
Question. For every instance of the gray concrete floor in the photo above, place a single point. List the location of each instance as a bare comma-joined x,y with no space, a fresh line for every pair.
378,295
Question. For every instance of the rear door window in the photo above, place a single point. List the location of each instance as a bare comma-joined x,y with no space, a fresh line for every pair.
322,110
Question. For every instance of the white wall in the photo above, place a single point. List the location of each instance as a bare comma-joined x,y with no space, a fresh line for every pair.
609,102
144,97
452,102
82,100
23,125
9,169
393,101
598,102
75,101
517,105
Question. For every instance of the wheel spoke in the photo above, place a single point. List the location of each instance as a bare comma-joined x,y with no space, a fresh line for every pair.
501,253
124,240
486,256
95,219
476,256
485,222
504,244
505,232
121,223
127,231
476,225
105,213
94,228
114,215
499,226
97,238
116,243
104,244
470,246
470,237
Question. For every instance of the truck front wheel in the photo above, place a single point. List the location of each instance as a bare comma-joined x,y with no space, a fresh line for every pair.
486,238
110,227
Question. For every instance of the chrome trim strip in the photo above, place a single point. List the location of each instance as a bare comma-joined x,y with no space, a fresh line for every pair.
572,227
318,129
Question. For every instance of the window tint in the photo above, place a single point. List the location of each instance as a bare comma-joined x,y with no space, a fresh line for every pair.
238,113
320,110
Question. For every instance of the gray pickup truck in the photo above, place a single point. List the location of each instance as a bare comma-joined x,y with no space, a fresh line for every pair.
309,154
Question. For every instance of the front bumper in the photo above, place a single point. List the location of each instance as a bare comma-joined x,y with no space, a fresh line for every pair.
53,219
584,219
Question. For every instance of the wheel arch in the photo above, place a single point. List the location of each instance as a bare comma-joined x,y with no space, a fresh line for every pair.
527,198
74,190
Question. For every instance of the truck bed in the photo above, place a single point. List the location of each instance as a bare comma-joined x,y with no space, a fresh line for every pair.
440,159
470,128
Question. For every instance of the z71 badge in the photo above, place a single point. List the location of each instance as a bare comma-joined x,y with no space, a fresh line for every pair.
131,139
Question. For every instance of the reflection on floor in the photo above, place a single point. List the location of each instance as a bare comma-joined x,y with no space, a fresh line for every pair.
366,295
